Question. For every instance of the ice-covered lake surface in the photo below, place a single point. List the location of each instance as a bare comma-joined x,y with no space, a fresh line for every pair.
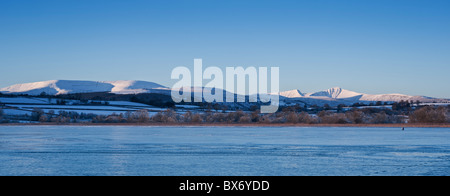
229,151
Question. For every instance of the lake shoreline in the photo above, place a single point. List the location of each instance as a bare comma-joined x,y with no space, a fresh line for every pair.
231,125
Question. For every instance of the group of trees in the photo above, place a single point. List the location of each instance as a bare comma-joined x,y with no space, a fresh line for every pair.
291,115
324,117
430,114
61,117
140,116
359,117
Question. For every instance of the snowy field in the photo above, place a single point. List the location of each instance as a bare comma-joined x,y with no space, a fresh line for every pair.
21,106
435,104
23,100
210,151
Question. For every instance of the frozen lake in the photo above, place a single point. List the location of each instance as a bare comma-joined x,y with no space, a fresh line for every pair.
255,151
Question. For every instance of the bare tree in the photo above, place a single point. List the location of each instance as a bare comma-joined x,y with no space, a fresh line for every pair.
187,117
355,117
380,118
255,116
245,119
292,117
196,118
332,118
305,118
429,114
142,116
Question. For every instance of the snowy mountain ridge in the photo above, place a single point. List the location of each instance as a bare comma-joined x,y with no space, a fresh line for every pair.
338,93
57,87
332,96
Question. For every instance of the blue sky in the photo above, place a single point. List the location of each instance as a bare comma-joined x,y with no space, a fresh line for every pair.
369,46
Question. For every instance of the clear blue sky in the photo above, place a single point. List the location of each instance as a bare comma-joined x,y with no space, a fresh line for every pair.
369,46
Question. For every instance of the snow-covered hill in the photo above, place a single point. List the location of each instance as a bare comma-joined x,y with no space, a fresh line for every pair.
335,93
292,94
332,96
338,95
56,87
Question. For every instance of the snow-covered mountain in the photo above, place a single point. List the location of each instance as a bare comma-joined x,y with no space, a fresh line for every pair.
56,87
292,94
335,93
338,95
332,96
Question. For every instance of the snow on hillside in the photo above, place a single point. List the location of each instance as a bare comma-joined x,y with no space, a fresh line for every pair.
335,93
330,96
338,95
22,100
18,106
292,93
56,87
133,87
390,97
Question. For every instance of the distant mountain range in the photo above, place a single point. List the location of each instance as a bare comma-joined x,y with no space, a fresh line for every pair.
332,96
57,87
337,95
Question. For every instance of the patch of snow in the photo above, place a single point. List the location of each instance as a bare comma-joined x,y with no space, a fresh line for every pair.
67,107
133,87
22,100
14,112
187,106
126,103
335,93
292,93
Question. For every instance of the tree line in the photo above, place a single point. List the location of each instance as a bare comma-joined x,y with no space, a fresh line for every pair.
426,114
292,115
